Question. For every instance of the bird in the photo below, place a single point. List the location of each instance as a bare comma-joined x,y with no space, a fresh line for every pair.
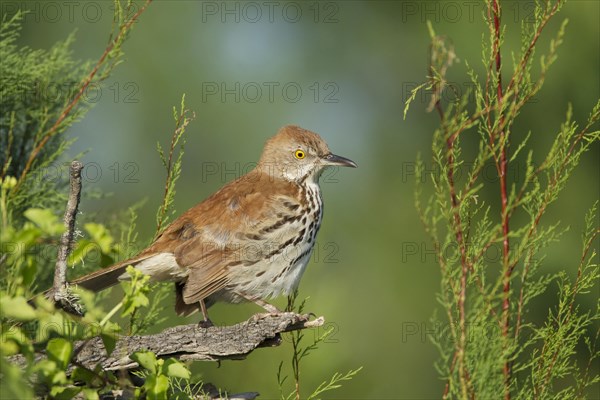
249,241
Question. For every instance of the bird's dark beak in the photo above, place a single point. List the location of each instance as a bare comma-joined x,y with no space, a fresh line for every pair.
332,159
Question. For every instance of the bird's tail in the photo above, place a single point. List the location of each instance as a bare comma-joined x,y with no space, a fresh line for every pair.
103,278
94,281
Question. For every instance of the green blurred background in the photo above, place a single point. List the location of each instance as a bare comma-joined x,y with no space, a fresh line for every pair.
342,69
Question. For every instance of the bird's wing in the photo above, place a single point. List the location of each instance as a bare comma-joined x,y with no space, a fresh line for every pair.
206,276
214,236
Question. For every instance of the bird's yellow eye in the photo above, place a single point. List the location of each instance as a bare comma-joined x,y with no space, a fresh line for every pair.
299,154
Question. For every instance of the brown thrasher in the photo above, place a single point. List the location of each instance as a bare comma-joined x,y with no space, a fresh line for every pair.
251,240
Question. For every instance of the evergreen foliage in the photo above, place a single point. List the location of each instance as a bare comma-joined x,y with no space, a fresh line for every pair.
495,347
35,87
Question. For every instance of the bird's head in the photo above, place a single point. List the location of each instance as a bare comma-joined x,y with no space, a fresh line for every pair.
296,154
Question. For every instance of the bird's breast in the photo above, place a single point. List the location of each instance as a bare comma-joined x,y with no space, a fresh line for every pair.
281,257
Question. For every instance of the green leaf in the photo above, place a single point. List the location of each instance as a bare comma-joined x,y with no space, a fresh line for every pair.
64,393
45,220
80,374
26,236
15,340
60,350
82,249
109,342
56,322
134,301
14,385
16,308
91,394
8,348
146,359
50,372
28,272
135,291
100,236
59,378
44,304
157,387
175,369
46,367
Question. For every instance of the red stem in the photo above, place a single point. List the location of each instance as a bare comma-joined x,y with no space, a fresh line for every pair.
460,351
503,165
462,342
447,387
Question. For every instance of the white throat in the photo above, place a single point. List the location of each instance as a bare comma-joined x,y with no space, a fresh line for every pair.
308,173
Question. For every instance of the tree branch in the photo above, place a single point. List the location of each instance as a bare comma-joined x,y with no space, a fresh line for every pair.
60,271
188,342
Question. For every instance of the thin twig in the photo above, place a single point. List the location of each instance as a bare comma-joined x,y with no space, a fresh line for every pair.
59,292
518,75
574,293
447,386
66,240
182,121
521,303
555,180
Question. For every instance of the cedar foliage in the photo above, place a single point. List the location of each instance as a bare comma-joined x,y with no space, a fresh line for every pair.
495,347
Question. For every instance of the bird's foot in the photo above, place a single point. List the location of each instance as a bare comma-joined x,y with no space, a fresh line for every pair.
205,323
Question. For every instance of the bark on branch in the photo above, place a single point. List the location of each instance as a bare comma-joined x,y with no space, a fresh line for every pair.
66,240
190,342
59,292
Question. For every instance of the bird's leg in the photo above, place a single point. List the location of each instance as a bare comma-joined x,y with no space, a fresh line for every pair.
270,308
206,322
